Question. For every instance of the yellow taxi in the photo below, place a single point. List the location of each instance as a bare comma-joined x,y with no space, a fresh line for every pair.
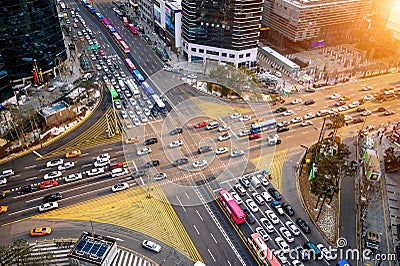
3,209
131,140
40,231
73,153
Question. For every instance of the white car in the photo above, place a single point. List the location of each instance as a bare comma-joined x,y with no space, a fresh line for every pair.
52,175
151,246
237,198
325,251
307,123
281,257
245,118
95,171
221,150
244,133
119,187
3,181
293,228
54,162
136,121
143,118
258,198
368,97
235,115
103,156
288,113
199,163
48,206
118,172
343,108
66,165
367,88
224,137
263,180
7,173
296,120
175,144
272,217
335,96
262,233
282,244
224,128
296,101
283,123
160,176
101,162
237,153
245,181
286,234
252,205
347,118
354,105
308,116
144,151
131,114
73,177
366,113
266,196
297,263
323,112
267,225
123,114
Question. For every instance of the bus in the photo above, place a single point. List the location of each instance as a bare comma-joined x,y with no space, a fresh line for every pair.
133,29
105,22
85,3
118,13
159,105
111,29
264,254
258,127
125,20
99,16
132,87
232,207
125,47
147,88
131,67
113,93
138,76
91,9
117,37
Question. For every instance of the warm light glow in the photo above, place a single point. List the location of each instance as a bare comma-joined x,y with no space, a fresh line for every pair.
397,5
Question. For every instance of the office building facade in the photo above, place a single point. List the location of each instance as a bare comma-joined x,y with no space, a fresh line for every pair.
223,31
30,30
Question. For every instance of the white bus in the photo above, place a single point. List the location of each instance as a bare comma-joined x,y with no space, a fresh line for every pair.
133,87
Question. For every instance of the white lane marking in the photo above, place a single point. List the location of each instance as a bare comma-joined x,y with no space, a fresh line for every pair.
118,152
108,149
187,195
87,165
195,228
213,238
31,178
180,203
24,210
211,255
30,167
201,218
38,154
229,263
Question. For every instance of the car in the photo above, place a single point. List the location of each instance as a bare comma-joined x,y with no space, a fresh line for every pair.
343,108
282,129
48,206
267,225
176,143
237,153
275,194
244,133
340,103
263,179
272,217
40,231
73,153
95,171
131,140
347,118
310,90
224,128
296,120
389,112
143,151
267,197
102,53
52,197
199,163
286,234
26,189
212,125
54,163
262,233
181,161
288,209
139,173
160,176
176,131
292,228
258,198
100,162
245,118
66,165
240,189
358,120
282,244
200,125
235,115
325,251
3,209
147,244
119,171
354,105
237,198
323,112
308,116
309,102
73,177
296,101
221,150
283,123
367,88
249,216
3,181
277,207
288,113
361,109
368,97
254,136
204,149
143,119
366,113
48,184
281,110
119,187
7,173
335,96
381,109
303,254
245,181
118,105
306,123
152,163
280,255
303,225
150,141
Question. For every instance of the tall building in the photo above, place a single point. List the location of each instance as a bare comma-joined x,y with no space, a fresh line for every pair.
5,84
314,20
30,30
222,30
380,12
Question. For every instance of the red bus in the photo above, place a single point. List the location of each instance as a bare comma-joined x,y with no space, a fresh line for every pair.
129,65
264,254
133,29
105,21
117,37
124,47
125,20
232,207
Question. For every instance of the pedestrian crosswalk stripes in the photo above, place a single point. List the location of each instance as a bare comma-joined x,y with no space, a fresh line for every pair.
60,252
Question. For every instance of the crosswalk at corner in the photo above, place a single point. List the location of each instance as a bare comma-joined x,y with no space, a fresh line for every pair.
123,258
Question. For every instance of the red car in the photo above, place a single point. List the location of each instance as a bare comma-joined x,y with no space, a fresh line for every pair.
116,165
200,124
255,136
48,183
102,53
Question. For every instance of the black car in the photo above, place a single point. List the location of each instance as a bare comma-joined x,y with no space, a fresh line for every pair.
116,66
358,120
353,165
176,131
152,163
139,173
181,161
52,197
282,129
302,253
288,209
150,141
204,149
309,102
303,225
274,193
26,189
249,216
281,110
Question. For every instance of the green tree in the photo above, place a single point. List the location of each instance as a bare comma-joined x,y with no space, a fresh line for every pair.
21,253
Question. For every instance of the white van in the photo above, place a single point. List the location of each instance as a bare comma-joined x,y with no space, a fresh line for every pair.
255,181
87,76
118,172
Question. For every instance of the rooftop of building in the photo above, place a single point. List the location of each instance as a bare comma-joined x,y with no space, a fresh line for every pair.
55,108
316,3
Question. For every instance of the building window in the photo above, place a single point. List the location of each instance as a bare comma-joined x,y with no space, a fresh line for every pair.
193,49
231,56
201,51
241,56
224,54
212,52
248,55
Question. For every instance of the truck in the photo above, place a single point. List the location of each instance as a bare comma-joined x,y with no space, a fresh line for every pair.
273,140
